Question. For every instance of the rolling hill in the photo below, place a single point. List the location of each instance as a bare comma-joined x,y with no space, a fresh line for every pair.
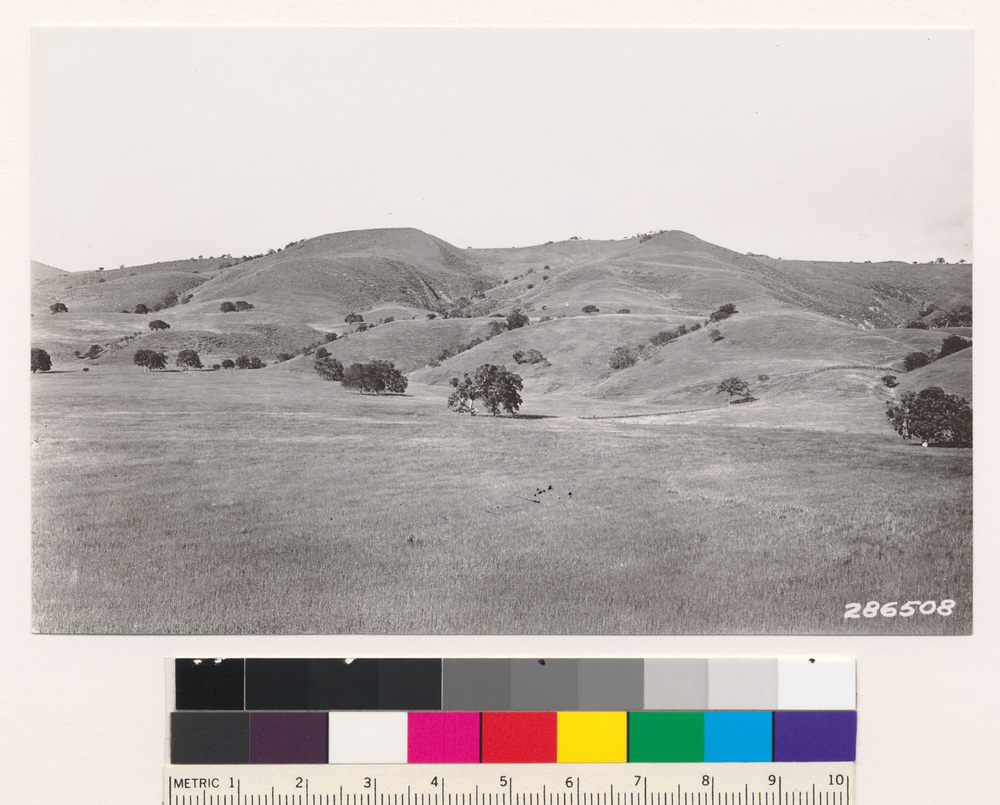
804,330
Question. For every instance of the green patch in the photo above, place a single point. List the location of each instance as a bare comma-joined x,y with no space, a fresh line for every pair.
666,737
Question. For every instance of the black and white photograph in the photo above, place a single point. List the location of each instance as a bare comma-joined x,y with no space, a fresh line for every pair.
501,331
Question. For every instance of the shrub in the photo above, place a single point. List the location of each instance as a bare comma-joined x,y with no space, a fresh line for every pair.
158,324
322,352
916,324
249,362
516,319
932,417
284,356
432,316
889,381
666,336
330,337
95,351
734,387
531,356
953,344
227,307
375,377
530,286
228,363
496,386
388,319
715,335
188,359
591,309
763,378
328,368
959,317
915,360
149,359
241,306
216,367
622,357
723,312
624,310
40,360
59,307
495,328
364,327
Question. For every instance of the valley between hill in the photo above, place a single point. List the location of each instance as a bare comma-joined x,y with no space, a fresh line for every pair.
271,501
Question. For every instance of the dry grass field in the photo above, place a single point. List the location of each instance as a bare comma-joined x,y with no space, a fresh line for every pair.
272,502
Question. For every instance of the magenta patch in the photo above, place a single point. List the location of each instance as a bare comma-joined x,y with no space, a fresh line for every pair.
443,738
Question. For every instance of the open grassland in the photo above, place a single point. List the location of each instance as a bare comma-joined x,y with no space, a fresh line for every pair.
270,502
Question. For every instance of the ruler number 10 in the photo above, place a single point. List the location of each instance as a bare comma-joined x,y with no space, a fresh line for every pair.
837,779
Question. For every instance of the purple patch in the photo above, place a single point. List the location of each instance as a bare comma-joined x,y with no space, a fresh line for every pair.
288,737
815,736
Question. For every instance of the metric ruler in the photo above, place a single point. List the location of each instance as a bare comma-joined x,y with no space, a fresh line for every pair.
830,783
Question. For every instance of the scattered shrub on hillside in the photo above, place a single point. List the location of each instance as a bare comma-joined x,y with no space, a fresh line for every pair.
530,286
59,307
284,356
496,386
95,351
723,312
530,356
228,363
889,381
495,328
374,377
933,417
961,316
622,357
506,281
186,298
354,318
696,326
432,316
915,360
328,368
322,352
216,367
715,335
735,387
40,360
545,318
591,309
388,320
545,277
241,306
227,307
953,344
364,327
763,378
666,336
188,359
330,337
624,310
927,309
916,324
141,309
149,359
158,324
517,318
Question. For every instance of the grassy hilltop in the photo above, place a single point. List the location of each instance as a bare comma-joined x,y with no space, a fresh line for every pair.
272,501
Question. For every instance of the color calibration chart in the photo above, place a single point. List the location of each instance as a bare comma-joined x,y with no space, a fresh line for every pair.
666,731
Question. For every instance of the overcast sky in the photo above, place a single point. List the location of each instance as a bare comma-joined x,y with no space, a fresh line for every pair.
152,145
